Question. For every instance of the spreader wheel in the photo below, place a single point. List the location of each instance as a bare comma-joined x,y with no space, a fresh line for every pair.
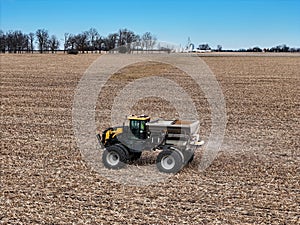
114,157
169,161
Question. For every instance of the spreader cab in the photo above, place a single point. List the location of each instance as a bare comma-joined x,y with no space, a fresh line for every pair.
137,125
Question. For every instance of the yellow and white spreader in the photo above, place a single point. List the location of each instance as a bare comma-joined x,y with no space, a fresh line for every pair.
176,140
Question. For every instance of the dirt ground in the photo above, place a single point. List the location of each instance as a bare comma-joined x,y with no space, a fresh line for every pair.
254,180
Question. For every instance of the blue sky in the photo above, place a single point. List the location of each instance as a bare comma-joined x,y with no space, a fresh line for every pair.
233,24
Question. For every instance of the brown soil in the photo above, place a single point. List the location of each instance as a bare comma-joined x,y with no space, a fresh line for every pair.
255,179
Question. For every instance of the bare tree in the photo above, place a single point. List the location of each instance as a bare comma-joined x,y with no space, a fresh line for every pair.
2,42
9,41
93,36
42,39
31,40
26,43
13,41
17,41
99,43
23,44
71,42
145,43
120,38
81,41
125,37
153,41
137,43
66,41
110,41
53,43
148,41
204,47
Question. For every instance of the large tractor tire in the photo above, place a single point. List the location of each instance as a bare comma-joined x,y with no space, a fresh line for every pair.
115,157
169,161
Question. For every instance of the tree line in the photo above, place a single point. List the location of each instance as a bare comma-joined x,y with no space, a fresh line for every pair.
124,41
278,48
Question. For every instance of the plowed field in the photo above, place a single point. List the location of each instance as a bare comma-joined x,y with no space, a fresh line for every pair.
254,180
